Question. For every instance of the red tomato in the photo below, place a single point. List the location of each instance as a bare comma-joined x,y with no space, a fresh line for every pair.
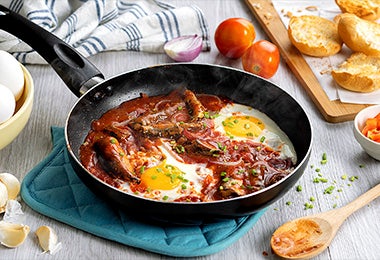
234,36
262,58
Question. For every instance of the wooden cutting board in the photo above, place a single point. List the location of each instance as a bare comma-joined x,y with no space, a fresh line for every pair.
269,19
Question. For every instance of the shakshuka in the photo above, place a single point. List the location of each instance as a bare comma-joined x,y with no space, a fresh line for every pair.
187,147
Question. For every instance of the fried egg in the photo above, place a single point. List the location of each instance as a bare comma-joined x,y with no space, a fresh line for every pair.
172,179
240,122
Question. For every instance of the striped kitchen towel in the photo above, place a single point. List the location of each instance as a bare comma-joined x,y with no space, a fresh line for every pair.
95,26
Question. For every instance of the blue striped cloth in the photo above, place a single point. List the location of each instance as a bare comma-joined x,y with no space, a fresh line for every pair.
95,26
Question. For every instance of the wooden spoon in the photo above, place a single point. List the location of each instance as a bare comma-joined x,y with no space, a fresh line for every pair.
307,237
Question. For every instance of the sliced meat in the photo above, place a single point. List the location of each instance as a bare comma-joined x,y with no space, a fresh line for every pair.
164,129
196,109
113,158
232,188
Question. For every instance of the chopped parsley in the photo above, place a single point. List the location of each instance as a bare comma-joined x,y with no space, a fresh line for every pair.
308,205
329,190
180,149
324,158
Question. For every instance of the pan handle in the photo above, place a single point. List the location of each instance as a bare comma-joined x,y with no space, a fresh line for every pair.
78,73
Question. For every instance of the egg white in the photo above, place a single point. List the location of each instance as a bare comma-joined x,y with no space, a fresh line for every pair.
194,173
271,135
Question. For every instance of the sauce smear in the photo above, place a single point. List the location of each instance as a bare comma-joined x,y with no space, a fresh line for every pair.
298,239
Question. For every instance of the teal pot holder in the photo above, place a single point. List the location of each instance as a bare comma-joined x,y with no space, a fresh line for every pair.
53,189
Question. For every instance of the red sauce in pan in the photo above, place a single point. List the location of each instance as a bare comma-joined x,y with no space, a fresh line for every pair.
124,142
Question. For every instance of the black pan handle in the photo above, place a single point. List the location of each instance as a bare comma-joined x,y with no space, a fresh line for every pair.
76,71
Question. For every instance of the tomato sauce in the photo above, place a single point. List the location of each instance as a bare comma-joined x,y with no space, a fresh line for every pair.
124,141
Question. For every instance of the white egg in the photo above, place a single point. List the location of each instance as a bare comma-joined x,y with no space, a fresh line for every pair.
11,74
7,104
242,122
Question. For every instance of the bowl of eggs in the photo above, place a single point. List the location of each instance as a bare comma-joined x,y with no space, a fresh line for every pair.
16,98
367,130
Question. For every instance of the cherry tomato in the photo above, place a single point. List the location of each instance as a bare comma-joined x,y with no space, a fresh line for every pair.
262,58
234,36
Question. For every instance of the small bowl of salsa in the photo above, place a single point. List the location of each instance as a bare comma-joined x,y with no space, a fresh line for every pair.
367,130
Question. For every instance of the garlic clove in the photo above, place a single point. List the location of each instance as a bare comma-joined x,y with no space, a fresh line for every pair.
13,235
12,184
184,48
48,239
3,197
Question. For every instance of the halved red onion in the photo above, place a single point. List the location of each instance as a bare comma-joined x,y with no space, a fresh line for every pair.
184,48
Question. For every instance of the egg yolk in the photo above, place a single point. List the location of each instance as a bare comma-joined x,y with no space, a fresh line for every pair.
162,177
243,126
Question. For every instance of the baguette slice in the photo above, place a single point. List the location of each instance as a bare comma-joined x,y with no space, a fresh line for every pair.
359,35
314,36
365,9
359,73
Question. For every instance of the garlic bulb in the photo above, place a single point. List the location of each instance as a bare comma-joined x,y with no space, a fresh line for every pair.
12,184
48,239
12,234
3,197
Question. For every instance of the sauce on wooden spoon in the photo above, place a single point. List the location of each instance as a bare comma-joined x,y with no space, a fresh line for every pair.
308,236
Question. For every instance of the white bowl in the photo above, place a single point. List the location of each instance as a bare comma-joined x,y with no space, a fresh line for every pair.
371,147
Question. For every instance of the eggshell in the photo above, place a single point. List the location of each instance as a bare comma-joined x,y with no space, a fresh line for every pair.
11,74
7,103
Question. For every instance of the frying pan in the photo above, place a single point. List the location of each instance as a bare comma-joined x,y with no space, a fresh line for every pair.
96,96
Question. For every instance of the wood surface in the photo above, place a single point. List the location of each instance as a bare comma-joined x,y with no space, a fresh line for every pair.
333,111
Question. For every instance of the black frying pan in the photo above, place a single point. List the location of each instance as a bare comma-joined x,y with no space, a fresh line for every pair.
98,95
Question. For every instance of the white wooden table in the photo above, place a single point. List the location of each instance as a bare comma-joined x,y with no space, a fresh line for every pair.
358,238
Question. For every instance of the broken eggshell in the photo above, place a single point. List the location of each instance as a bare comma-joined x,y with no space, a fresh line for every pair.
184,48
13,234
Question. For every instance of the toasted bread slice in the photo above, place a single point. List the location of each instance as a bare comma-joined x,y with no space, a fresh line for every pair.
359,73
360,35
365,9
314,36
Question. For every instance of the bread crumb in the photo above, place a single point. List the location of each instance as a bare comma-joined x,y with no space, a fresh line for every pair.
312,8
288,14
257,6
268,16
326,71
